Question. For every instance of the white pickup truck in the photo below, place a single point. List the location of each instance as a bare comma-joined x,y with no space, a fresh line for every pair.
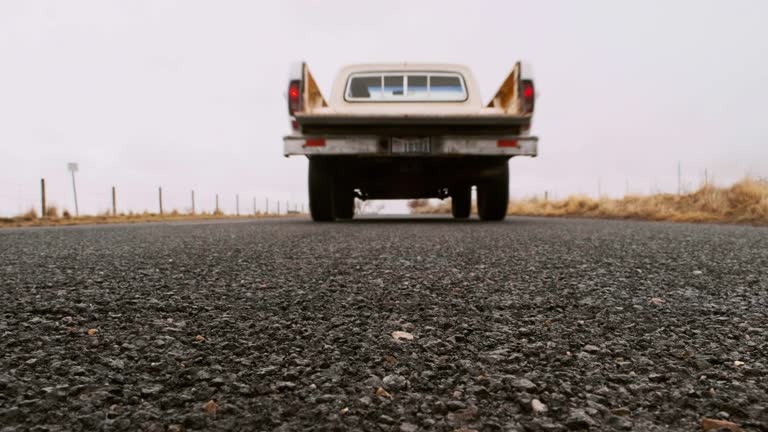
402,131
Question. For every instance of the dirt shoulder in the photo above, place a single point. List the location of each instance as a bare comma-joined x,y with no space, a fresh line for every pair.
744,202
32,220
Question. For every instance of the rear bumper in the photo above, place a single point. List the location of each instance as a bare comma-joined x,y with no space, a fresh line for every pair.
439,146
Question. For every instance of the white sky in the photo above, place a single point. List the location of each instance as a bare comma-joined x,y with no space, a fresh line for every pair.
190,94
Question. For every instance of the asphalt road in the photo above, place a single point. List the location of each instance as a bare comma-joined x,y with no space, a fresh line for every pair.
531,324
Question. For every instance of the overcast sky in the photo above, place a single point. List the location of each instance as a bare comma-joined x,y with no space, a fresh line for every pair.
190,94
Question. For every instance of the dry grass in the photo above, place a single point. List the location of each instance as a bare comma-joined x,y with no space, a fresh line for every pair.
744,202
30,218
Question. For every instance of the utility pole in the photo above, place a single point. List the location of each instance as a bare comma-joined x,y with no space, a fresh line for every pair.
278,206
160,198
42,196
73,168
679,179
254,206
266,208
114,202
237,204
217,203
193,202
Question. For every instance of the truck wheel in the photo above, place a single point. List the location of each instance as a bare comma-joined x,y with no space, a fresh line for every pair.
461,202
320,190
493,196
344,202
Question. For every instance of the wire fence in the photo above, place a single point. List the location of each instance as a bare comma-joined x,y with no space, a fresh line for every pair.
244,206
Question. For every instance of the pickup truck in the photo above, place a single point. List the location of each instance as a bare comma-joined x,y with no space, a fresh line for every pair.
406,130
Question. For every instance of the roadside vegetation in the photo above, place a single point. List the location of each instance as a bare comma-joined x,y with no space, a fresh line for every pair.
744,202
55,217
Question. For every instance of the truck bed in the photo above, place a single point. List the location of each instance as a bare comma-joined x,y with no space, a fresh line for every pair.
503,115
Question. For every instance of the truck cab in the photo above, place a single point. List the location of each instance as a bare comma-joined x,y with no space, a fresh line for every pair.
409,130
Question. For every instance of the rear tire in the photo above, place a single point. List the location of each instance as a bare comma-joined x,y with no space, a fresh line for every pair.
320,190
493,196
344,202
461,202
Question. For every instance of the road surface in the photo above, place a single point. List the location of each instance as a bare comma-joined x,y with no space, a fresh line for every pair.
530,324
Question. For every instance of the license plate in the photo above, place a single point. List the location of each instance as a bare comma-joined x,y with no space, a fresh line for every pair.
411,145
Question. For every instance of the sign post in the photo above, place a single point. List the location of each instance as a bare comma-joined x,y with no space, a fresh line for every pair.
72,167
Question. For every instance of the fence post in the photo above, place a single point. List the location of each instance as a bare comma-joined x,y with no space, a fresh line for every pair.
160,199
114,202
42,196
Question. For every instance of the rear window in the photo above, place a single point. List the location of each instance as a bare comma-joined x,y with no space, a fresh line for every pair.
365,86
445,87
406,87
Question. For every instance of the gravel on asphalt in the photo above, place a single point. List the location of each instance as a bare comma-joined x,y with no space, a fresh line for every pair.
387,325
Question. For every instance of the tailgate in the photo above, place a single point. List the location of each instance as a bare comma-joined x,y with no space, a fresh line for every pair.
488,124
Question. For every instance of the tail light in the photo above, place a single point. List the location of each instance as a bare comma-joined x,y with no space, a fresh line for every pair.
529,95
294,97
506,143
314,142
